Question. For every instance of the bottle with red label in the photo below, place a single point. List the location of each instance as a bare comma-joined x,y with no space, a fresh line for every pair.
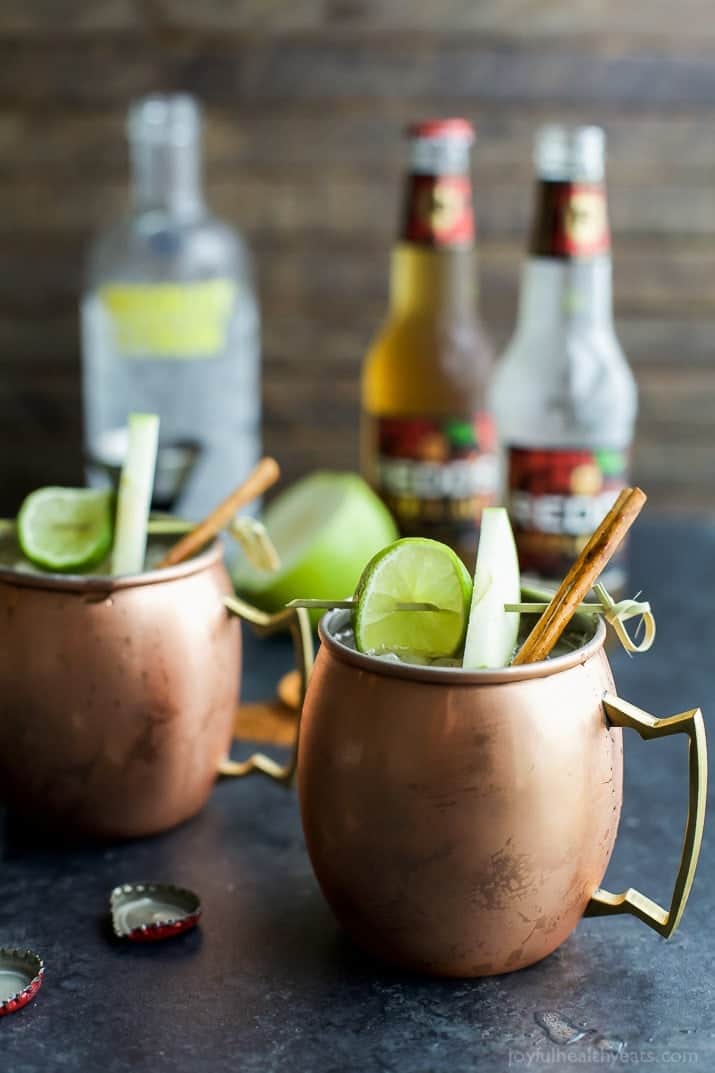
563,395
428,442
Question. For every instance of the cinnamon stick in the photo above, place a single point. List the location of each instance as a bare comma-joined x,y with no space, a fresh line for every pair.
263,476
582,575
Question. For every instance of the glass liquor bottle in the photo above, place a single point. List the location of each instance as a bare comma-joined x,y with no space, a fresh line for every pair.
170,322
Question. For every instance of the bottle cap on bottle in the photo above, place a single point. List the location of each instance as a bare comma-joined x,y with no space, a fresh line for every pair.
440,146
165,118
453,127
438,202
574,154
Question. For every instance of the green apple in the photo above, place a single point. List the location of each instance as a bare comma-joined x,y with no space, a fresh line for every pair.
325,527
492,632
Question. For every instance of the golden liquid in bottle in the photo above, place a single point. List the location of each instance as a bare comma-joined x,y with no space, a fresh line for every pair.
430,363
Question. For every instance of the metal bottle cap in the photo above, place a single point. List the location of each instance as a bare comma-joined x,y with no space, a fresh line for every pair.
440,146
146,912
21,974
452,127
570,153
167,118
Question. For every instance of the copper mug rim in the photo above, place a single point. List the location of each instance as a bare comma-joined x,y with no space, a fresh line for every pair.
106,583
457,676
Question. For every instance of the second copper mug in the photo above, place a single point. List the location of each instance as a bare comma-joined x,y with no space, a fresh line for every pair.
460,822
118,695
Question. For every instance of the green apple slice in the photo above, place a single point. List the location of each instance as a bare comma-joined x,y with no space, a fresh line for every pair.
325,527
492,631
134,499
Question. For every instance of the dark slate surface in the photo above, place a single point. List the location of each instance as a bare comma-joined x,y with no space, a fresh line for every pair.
268,982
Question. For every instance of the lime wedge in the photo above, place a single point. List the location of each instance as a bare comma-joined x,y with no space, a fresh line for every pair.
413,571
325,527
492,631
65,529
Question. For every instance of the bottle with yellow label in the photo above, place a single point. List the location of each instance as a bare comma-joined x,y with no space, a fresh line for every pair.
170,322
428,441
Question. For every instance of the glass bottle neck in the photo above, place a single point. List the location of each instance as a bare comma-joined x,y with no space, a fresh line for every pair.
433,271
559,295
167,177
567,280
432,282
570,220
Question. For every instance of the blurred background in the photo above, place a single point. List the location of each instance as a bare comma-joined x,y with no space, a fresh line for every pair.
305,103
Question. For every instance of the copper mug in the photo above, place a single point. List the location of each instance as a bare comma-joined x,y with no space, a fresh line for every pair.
460,823
118,695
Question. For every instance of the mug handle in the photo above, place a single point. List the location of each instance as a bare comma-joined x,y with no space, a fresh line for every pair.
297,620
603,903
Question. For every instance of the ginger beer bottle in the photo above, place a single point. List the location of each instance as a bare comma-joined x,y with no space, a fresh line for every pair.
563,394
428,442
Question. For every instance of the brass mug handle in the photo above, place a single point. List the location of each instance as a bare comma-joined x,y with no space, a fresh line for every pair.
297,620
603,903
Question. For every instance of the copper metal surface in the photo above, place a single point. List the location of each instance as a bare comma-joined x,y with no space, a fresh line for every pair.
459,823
117,695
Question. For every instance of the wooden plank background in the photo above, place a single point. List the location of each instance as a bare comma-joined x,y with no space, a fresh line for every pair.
305,102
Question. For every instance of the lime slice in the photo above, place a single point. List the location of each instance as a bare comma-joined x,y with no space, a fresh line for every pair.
413,571
325,527
492,631
65,529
